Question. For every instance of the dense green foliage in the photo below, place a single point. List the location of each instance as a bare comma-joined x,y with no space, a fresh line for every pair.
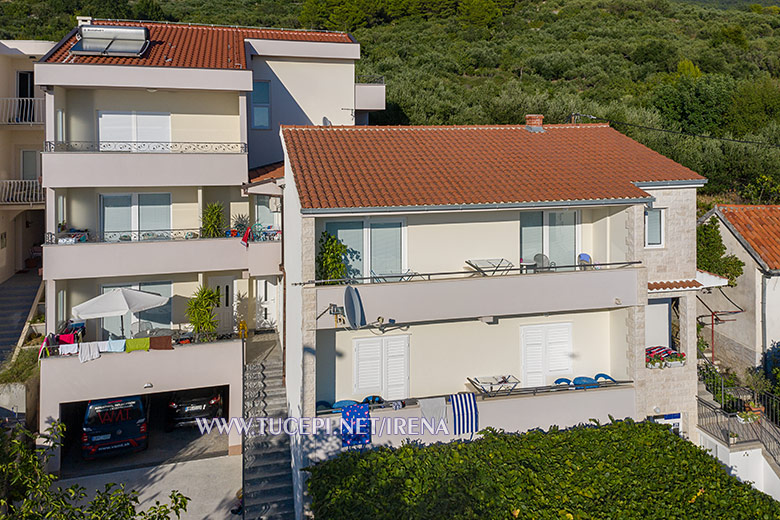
29,492
212,222
331,258
200,313
711,252
622,470
675,65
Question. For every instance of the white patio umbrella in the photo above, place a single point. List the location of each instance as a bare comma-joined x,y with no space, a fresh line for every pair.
118,302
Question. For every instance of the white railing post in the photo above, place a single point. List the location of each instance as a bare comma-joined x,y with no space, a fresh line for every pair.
20,192
21,111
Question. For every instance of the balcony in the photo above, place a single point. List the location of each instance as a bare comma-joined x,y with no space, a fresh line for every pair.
369,93
21,111
111,163
16,193
81,254
419,297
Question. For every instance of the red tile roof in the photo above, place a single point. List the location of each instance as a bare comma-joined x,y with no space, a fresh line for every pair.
193,46
353,167
673,285
267,172
759,227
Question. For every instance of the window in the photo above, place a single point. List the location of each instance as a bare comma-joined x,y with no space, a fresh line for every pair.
30,165
261,105
117,129
130,323
654,227
24,84
60,307
551,233
546,353
267,211
382,367
375,247
135,216
59,130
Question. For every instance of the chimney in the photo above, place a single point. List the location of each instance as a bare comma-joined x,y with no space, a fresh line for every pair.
84,20
533,122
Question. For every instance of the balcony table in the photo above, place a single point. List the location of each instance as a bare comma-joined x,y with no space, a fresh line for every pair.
495,385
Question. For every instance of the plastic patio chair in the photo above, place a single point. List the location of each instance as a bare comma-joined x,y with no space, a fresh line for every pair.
563,381
585,382
542,262
585,262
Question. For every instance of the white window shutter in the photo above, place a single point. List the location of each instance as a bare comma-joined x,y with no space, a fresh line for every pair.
533,356
368,366
396,350
559,348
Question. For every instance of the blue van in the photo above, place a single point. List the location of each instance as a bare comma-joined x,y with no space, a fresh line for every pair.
114,426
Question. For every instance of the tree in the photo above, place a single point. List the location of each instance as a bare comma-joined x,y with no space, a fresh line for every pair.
331,259
763,190
29,492
148,10
711,253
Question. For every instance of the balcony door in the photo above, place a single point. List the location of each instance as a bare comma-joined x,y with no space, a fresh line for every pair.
225,309
554,234
30,165
546,353
375,247
134,131
135,216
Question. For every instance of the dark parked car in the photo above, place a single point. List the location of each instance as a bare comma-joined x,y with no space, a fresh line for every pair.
186,406
114,426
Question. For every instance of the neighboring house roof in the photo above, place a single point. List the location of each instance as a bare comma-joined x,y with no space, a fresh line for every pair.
703,280
756,227
265,173
408,166
191,45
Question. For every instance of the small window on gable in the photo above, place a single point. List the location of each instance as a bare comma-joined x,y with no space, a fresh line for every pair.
654,227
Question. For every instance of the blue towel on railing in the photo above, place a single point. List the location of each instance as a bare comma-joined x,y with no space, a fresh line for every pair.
360,432
465,418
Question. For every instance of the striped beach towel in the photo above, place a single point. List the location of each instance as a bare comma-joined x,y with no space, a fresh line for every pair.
664,352
465,418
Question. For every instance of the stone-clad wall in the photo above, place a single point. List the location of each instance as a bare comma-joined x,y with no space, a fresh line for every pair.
677,259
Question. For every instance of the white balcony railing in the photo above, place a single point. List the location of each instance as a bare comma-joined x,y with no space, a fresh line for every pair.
21,111
21,192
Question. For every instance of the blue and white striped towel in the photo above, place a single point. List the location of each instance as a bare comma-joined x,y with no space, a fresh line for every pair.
465,418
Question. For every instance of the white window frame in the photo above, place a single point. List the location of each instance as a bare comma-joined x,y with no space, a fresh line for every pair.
133,123
134,208
381,388
366,222
252,104
546,232
663,229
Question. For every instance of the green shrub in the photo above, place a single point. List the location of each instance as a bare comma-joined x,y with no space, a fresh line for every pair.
213,221
711,252
200,312
623,470
331,261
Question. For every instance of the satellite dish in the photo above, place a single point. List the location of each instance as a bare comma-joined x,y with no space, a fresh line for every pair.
353,308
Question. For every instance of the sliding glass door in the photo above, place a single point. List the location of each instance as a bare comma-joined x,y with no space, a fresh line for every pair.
116,217
562,237
154,216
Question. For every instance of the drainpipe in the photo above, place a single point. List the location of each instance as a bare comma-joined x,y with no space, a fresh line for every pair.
283,283
764,278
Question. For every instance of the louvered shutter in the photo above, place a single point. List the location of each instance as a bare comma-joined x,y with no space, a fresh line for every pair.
368,366
559,348
533,356
396,349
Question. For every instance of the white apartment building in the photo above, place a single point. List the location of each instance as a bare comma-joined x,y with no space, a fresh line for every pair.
147,124
21,143
465,247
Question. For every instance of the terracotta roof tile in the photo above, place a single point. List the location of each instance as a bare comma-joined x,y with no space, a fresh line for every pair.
759,226
267,172
193,46
353,167
674,284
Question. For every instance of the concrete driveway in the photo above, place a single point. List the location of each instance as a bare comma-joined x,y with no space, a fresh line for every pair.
210,483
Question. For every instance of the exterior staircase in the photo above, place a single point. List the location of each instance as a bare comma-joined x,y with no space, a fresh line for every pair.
268,485
17,296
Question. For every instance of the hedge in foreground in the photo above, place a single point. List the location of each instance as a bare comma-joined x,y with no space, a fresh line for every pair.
622,470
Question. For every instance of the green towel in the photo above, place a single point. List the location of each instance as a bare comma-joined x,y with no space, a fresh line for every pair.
137,344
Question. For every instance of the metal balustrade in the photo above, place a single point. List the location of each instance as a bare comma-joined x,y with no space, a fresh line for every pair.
144,147
21,192
21,111
76,236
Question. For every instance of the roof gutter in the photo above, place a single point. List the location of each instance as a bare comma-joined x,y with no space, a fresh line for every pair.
671,184
477,207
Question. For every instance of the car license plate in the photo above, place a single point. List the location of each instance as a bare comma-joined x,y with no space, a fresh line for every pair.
101,437
195,408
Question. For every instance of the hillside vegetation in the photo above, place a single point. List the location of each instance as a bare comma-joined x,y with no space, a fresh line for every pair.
672,65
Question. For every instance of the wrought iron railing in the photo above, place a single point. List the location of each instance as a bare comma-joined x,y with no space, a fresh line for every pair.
143,147
414,276
21,111
370,79
75,236
726,427
20,192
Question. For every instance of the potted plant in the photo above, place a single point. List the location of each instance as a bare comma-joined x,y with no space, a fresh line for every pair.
655,361
747,417
213,221
675,359
733,438
200,312
240,223
752,406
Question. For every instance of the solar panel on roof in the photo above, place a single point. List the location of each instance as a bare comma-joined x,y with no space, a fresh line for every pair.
102,40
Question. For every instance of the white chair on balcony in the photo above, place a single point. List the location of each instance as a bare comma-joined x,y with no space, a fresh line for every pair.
543,263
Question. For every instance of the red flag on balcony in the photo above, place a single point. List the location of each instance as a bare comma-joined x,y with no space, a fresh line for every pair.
245,238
